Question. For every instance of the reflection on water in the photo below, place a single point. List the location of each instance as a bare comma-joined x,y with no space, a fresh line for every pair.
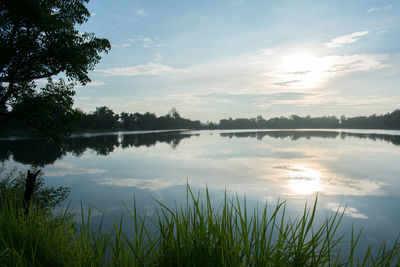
30,151
295,135
304,180
357,169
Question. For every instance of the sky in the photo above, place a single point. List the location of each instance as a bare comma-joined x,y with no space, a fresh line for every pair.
242,58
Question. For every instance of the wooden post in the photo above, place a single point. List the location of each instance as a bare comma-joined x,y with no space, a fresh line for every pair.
29,188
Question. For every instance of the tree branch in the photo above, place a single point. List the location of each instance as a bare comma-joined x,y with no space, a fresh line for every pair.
31,78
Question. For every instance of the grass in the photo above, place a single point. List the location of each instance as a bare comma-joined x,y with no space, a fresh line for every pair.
195,234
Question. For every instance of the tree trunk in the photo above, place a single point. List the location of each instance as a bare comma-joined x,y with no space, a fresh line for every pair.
29,189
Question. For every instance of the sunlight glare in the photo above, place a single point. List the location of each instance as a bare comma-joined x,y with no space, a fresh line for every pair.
304,181
302,70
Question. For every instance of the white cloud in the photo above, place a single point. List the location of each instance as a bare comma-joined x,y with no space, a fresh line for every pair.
388,7
157,57
346,39
150,68
306,71
140,38
279,72
92,14
352,63
247,74
84,98
140,12
373,9
349,211
266,52
95,83
143,184
91,84
63,169
121,45
146,41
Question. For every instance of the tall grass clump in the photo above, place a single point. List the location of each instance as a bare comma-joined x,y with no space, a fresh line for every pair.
229,235
194,234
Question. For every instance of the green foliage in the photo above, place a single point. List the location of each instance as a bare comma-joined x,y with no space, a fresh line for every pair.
37,239
387,121
197,234
44,197
39,40
104,119
48,112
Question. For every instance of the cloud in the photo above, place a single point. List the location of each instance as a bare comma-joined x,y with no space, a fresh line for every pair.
84,98
143,184
63,169
250,80
140,12
311,71
346,39
254,97
91,84
349,211
266,52
95,83
352,63
146,41
287,83
150,68
373,9
140,38
120,45
157,57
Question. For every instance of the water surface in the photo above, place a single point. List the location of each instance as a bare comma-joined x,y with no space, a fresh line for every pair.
357,168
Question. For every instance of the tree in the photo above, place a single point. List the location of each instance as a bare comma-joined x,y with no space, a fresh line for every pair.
106,119
173,113
39,40
49,112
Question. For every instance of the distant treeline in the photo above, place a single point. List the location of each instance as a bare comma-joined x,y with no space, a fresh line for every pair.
104,119
387,121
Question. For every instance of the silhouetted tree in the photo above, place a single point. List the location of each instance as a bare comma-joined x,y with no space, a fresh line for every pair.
39,40
105,118
174,113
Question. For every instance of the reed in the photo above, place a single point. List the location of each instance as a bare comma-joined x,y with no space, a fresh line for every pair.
194,234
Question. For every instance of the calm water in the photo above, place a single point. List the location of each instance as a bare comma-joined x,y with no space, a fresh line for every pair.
360,169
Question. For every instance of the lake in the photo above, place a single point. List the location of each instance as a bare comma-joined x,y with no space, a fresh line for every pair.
359,169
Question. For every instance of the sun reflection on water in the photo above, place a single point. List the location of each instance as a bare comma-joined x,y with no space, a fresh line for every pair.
304,180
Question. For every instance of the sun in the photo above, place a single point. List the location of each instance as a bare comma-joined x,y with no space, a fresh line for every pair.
302,70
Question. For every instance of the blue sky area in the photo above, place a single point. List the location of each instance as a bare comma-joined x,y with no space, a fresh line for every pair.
238,58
